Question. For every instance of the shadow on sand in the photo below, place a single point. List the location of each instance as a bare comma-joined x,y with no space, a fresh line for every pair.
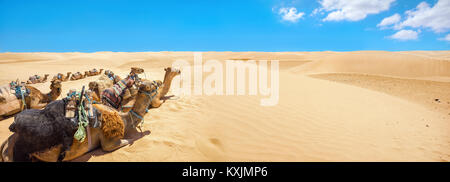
131,137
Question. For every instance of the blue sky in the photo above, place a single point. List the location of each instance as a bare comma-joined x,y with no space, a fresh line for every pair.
231,25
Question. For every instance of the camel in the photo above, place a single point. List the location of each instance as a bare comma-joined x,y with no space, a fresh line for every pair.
161,93
94,72
61,77
37,79
38,100
10,104
77,76
110,135
108,80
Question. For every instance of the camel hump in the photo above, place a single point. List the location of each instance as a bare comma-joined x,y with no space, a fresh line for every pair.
112,123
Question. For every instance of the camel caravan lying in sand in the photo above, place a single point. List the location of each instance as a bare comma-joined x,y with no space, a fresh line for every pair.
77,124
61,77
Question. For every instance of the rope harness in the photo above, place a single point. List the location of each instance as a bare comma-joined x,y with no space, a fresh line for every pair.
83,120
19,89
133,113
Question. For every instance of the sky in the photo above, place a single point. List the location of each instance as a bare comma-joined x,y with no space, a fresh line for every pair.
228,25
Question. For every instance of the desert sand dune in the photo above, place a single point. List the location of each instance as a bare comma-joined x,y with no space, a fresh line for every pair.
333,106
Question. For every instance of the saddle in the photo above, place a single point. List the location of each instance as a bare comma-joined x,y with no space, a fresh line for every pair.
21,91
87,116
113,96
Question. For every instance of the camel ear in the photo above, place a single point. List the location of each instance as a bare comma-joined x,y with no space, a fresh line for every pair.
165,69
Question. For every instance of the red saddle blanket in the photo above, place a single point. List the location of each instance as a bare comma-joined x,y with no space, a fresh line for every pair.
113,95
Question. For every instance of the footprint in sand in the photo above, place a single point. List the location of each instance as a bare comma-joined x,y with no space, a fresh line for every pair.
212,148
216,142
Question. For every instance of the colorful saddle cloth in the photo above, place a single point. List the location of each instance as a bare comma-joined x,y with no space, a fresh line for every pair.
21,91
113,96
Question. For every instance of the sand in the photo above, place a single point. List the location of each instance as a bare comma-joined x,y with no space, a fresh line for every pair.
333,106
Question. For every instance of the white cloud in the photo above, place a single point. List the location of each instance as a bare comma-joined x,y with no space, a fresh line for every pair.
437,18
290,14
390,20
352,10
446,38
405,35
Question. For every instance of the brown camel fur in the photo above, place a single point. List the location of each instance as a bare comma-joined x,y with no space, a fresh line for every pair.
34,79
96,136
61,77
163,89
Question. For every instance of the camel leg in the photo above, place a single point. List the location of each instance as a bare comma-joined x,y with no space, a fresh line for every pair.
36,105
109,145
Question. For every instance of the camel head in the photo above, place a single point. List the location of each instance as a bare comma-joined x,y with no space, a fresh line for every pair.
137,70
55,84
109,73
172,72
46,75
93,85
146,90
101,70
86,73
146,86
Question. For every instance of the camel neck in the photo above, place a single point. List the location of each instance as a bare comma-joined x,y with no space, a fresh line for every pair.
139,109
54,94
167,82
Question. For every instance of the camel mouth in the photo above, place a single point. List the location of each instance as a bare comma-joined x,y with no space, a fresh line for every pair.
175,70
